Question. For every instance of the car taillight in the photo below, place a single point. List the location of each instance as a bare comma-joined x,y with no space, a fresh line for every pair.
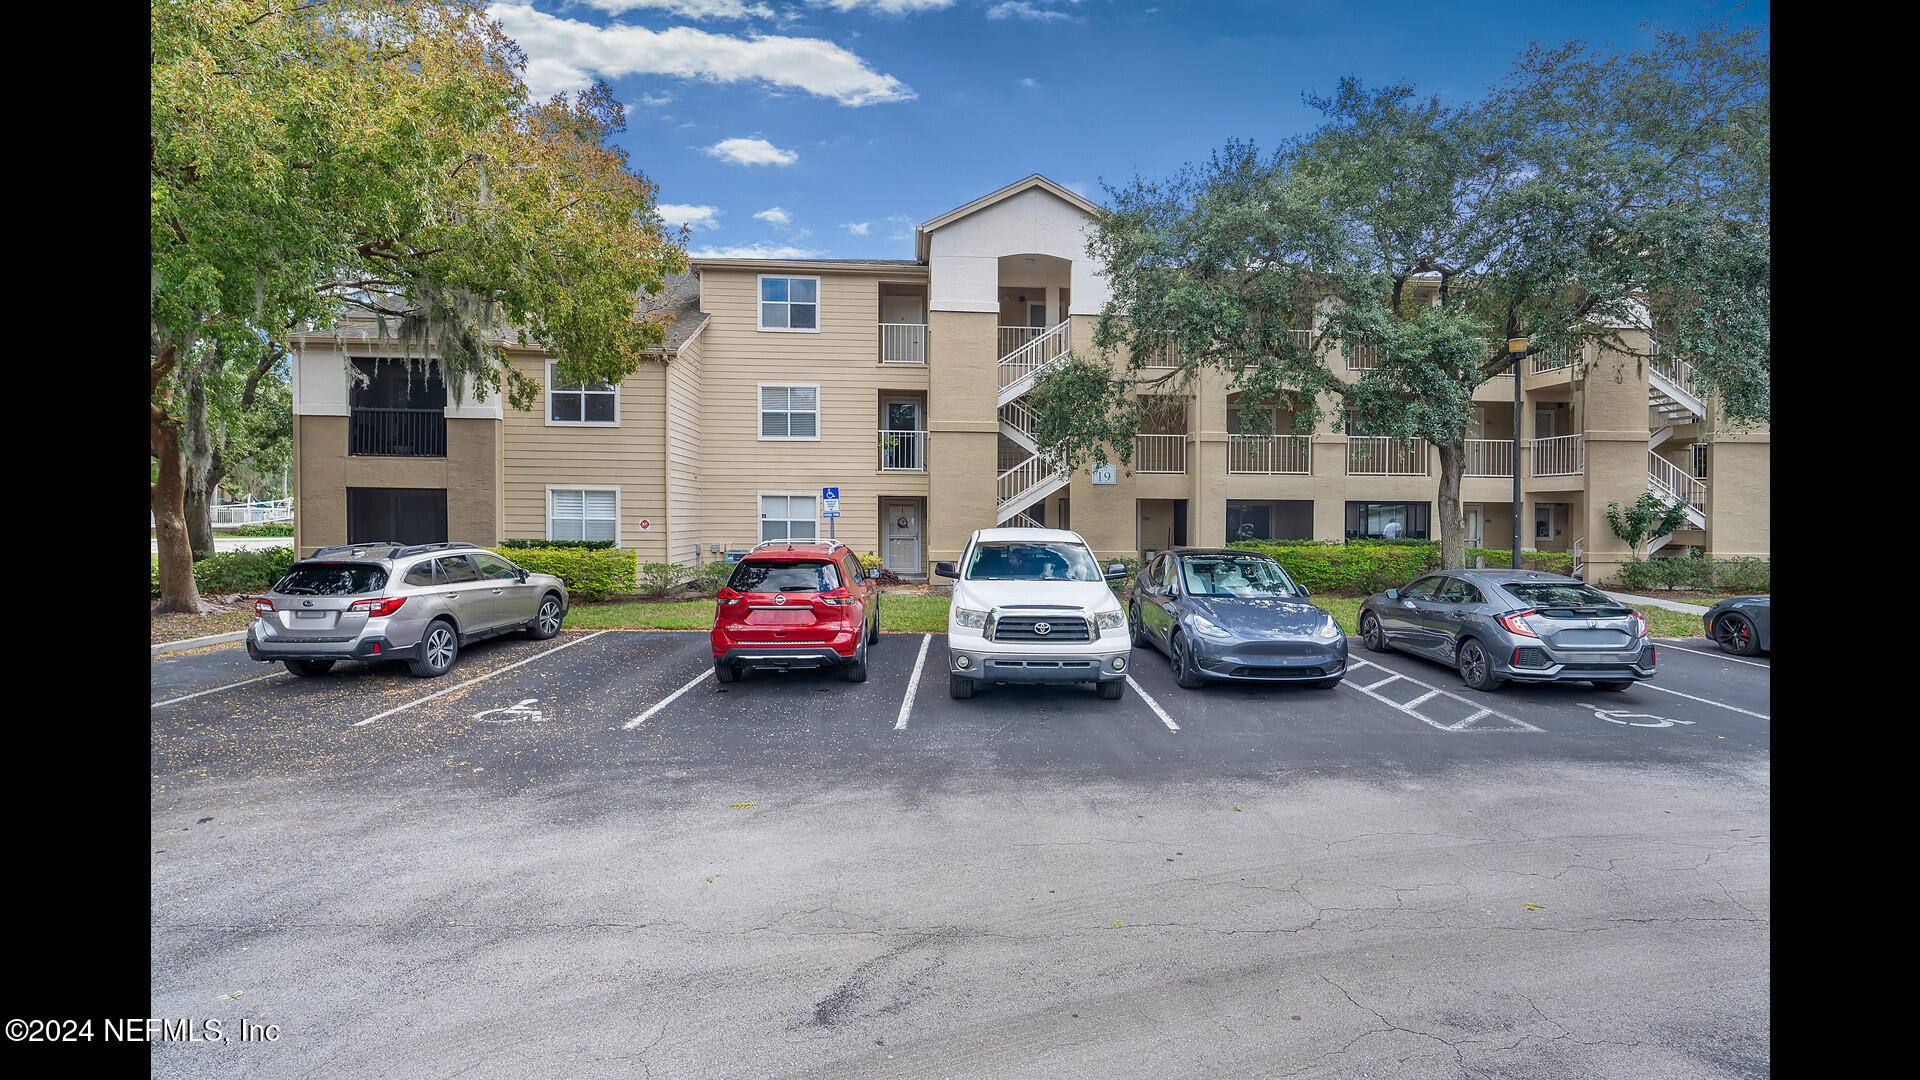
1513,624
376,609
1639,625
728,596
263,606
837,596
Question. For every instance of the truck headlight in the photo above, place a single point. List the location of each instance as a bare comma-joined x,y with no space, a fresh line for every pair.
969,618
1110,620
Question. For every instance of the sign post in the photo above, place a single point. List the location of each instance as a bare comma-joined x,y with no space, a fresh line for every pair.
830,509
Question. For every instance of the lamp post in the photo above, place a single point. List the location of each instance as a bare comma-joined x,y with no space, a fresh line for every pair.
1517,351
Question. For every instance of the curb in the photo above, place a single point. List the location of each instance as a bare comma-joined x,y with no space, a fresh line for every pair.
197,643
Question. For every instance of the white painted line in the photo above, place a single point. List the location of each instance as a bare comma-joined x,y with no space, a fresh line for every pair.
1421,698
668,700
1716,656
1154,705
184,644
1701,700
1462,724
1409,709
913,684
1382,682
217,689
478,679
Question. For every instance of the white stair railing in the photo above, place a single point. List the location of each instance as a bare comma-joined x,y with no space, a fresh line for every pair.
1270,455
1667,479
1018,368
1013,337
1024,520
1019,486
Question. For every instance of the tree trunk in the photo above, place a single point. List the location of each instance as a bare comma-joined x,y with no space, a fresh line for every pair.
201,460
167,498
1453,523
198,504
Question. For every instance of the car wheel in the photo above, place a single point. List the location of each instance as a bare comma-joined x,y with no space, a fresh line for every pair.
1370,633
725,672
873,635
1181,657
856,671
546,621
1476,668
307,669
1612,684
438,649
958,687
1111,691
1138,632
1736,635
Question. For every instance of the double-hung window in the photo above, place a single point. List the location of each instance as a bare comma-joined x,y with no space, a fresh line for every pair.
789,412
788,517
583,513
574,403
790,303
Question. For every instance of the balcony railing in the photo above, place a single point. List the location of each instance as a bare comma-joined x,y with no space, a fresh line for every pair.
1562,455
1270,454
903,451
1167,356
1364,357
397,432
1489,457
1382,455
1159,453
1012,337
903,343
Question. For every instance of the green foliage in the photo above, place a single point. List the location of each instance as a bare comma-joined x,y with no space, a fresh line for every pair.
658,579
1333,567
271,528
1648,518
712,576
590,574
1079,407
594,545
234,571
1691,571
870,563
1124,585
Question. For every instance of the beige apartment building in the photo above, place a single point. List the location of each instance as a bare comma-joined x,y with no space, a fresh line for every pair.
901,382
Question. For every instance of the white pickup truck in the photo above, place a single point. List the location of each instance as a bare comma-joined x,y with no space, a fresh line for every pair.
1032,606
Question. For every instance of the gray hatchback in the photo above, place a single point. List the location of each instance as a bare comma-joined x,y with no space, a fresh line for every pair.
419,603
1524,625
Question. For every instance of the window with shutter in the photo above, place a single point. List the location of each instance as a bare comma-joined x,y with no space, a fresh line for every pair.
583,514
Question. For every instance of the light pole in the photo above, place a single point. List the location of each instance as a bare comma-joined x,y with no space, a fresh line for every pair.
1517,351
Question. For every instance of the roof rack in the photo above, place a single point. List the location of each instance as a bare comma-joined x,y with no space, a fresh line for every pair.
416,549
338,548
831,544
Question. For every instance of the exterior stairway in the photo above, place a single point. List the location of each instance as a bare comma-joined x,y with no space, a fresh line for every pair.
1036,477
1671,394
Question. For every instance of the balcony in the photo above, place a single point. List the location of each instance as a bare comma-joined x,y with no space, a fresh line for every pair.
397,432
1381,455
1489,457
1270,455
903,451
1562,455
903,343
1159,453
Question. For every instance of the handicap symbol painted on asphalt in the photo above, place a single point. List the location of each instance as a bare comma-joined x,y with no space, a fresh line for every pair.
522,711
1629,719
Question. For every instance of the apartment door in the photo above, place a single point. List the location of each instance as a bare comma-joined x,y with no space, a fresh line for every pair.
1037,315
905,451
1543,424
1476,525
903,537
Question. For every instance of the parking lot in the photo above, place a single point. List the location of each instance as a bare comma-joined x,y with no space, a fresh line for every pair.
798,875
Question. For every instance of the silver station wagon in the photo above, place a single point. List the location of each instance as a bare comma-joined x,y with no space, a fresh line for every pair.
419,603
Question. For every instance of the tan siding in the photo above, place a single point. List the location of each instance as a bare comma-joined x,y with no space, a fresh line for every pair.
684,444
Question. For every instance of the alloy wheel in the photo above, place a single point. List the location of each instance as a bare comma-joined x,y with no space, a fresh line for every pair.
440,648
550,617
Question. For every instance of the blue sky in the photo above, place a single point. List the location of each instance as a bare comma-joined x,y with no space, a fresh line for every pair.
829,128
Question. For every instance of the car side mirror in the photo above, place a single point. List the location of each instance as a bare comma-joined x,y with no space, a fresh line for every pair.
1303,590
1115,570
945,569
1393,594
522,575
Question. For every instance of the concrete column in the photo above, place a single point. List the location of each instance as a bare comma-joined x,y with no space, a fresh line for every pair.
1615,407
963,429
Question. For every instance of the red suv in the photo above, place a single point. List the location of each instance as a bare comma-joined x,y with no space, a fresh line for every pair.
796,604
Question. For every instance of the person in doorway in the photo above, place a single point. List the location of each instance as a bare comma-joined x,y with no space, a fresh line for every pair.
1246,530
1392,531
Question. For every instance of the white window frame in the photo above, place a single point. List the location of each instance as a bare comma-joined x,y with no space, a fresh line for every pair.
583,422
759,312
817,519
618,509
759,413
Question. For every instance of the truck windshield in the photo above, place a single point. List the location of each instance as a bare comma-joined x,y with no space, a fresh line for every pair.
1031,560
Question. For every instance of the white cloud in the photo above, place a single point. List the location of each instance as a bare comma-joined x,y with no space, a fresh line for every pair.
751,152
1022,9
1028,83
565,55
760,250
884,7
692,9
858,228
773,215
693,217
1078,187
653,101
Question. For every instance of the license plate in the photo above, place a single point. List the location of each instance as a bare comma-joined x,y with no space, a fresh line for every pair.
311,614
781,618
1590,637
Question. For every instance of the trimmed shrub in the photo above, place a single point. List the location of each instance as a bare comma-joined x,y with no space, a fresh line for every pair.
268,528
1744,575
1552,562
660,578
713,575
870,563
591,545
233,571
590,573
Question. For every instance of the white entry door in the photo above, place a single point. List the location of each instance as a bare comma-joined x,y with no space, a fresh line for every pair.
1476,524
903,538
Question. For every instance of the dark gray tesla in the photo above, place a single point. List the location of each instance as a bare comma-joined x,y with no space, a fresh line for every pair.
1524,625
1223,613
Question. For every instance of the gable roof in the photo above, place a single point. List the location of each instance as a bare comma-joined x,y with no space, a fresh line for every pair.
921,242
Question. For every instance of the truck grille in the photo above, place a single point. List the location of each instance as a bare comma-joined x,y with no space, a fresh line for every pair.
1068,628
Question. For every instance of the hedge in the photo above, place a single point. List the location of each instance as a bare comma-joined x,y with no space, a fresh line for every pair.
266,528
1331,566
590,573
1702,572
592,545
234,571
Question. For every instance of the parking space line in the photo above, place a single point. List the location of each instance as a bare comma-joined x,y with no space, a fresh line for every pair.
668,700
1703,701
1375,686
477,679
1154,705
913,684
217,689
1409,709
1716,656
